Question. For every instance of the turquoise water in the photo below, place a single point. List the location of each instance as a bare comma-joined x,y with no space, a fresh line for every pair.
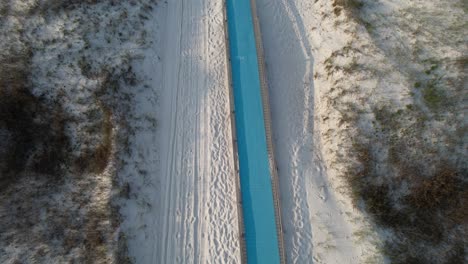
257,196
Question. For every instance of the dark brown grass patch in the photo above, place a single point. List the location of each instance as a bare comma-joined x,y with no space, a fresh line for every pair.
95,160
432,213
34,130
352,7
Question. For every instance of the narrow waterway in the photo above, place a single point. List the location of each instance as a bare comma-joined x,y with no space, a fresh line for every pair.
259,204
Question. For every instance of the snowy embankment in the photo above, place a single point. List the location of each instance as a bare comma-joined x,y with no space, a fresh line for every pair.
368,113
66,98
183,208
316,218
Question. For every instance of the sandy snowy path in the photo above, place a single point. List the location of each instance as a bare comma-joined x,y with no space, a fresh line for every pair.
197,219
192,196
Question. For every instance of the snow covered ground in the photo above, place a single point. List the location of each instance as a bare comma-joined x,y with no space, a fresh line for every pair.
314,217
185,210
340,73
66,94
125,104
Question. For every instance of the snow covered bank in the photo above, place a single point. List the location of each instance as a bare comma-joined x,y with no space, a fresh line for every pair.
383,82
315,216
66,89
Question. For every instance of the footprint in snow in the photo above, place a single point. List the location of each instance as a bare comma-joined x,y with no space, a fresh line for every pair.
323,193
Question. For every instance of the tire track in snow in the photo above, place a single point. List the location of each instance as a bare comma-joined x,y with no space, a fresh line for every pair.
196,217
222,190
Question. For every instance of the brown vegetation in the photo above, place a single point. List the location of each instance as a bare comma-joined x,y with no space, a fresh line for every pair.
415,192
95,159
432,211
55,197
350,6
37,140
407,165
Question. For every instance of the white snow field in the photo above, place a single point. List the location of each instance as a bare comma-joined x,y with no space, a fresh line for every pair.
186,211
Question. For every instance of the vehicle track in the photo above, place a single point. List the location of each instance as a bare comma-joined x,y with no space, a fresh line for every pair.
197,221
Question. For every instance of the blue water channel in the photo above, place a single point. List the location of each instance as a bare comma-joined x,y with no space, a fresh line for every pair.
261,238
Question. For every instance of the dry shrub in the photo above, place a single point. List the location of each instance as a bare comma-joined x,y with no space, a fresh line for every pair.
14,70
94,239
122,251
440,190
462,62
38,140
35,130
411,188
433,212
351,6
55,5
95,160
103,151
